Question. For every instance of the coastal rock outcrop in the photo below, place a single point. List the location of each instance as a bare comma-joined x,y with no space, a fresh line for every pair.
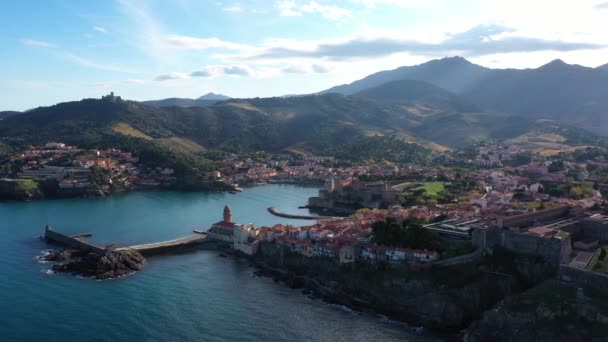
443,299
552,311
112,264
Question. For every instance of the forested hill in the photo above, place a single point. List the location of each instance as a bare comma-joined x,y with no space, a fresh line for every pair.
316,124
8,113
399,122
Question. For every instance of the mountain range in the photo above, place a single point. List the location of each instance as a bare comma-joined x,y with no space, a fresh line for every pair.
558,91
398,115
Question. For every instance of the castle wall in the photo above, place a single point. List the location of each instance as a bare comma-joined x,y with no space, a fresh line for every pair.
582,277
554,250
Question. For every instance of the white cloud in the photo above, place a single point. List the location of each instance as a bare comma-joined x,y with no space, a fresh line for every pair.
171,76
475,41
320,68
146,31
211,71
221,70
100,29
193,43
238,70
306,69
289,8
39,43
296,69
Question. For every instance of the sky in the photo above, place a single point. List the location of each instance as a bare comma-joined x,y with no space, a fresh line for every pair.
63,50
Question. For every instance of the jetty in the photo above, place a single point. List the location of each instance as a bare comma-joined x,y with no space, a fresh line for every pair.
79,242
277,212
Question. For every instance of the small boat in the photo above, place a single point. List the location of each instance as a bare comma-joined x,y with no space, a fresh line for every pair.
198,231
238,189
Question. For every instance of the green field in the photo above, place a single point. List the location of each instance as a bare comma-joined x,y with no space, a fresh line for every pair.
432,189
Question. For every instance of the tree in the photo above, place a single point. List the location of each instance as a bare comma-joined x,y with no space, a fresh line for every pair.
576,192
410,234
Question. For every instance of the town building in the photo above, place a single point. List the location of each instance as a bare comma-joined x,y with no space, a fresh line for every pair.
111,98
223,230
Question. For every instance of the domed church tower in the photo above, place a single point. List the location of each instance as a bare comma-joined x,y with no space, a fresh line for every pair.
227,214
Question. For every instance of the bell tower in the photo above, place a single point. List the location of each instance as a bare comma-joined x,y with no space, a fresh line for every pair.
227,214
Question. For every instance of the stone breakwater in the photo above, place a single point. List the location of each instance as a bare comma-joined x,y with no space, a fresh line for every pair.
277,212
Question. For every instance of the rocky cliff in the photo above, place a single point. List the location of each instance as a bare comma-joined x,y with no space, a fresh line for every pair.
444,299
551,311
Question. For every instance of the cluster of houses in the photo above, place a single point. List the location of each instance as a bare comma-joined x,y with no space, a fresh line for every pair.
72,166
284,167
344,240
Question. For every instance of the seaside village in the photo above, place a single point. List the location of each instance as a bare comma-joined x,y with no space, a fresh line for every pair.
550,207
569,234
73,167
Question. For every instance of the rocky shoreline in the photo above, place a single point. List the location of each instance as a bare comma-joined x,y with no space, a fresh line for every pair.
109,265
480,308
551,311
455,306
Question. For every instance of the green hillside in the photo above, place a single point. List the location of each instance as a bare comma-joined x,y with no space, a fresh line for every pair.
399,121
418,93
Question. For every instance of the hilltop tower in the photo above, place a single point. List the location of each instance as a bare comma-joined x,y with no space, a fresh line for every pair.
227,214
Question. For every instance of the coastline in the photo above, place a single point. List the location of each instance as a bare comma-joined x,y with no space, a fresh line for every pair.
39,195
316,290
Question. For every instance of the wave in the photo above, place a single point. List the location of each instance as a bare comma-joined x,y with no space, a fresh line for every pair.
387,320
43,254
342,308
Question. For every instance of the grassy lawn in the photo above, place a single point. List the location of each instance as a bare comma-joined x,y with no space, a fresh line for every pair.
598,263
432,189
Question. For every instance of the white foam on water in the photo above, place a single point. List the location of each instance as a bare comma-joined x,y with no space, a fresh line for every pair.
342,308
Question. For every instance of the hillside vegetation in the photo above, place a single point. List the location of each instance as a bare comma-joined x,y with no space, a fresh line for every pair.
400,121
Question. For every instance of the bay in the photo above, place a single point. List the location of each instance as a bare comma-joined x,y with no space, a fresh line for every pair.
196,296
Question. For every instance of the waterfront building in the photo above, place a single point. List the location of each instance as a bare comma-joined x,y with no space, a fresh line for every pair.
223,230
245,238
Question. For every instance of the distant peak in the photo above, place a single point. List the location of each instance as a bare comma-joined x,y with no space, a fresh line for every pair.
455,59
213,96
603,67
555,63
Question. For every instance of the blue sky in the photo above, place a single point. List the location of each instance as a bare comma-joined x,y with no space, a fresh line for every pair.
62,50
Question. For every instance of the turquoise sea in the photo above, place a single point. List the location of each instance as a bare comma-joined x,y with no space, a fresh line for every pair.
196,296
